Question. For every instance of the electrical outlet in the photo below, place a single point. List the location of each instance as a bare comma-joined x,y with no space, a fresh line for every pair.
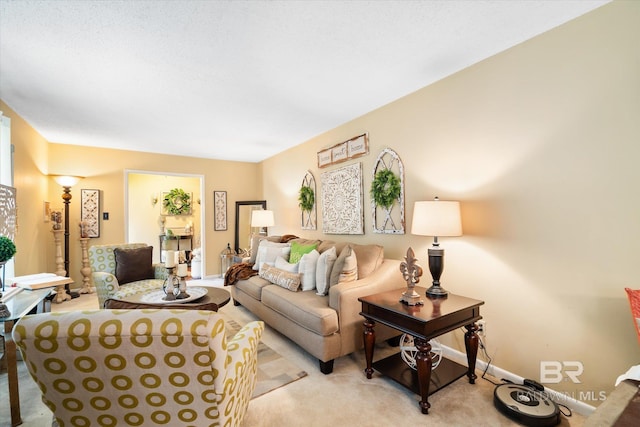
482,328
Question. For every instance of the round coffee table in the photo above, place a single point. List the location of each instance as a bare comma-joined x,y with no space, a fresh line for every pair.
212,301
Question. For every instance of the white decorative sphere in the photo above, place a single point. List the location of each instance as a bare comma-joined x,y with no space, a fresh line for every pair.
408,351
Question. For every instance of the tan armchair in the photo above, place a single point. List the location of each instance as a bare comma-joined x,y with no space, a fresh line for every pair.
140,367
102,261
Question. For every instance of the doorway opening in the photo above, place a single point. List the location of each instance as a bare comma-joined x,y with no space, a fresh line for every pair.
149,221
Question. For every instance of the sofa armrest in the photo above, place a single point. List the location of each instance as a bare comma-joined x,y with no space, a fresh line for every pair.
343,297
241,374
160,271
106,285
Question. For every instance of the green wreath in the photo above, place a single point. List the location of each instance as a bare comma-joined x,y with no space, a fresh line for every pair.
307,198
177,202
385,188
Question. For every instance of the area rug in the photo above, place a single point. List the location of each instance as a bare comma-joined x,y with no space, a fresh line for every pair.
274,371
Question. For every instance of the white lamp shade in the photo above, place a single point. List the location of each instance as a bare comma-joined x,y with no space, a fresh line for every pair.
67,180
436,218
262,218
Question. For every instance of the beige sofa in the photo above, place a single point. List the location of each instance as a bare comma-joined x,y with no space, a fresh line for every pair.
326,326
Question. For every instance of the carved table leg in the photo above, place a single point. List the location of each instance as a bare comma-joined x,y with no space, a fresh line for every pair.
369,336
423,365
471,344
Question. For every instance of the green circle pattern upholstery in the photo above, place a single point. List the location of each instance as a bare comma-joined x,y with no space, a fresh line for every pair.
140,367
102,261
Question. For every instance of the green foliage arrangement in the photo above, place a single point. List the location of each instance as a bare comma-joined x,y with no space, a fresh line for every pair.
385,188
307,198
177,202
7,249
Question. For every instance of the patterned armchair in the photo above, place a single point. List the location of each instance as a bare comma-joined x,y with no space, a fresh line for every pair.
140,367
103,269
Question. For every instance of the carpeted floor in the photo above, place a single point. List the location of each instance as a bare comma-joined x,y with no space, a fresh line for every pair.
344,398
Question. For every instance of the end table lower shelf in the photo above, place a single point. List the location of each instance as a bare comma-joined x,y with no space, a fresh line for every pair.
395,368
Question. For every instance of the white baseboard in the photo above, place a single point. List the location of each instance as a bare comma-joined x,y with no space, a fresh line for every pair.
461,358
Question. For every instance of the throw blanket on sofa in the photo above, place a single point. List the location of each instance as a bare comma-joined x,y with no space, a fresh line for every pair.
236,272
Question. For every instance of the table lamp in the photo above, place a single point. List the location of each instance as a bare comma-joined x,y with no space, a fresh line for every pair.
436,218
262,219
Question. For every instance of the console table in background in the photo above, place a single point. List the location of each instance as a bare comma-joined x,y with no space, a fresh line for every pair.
184,238
424,322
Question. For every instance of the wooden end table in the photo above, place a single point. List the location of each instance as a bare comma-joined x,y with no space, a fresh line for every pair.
20,304
423,322
213,300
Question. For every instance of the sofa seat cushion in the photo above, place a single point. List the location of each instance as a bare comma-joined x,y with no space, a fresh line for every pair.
137,287
253,286
306,309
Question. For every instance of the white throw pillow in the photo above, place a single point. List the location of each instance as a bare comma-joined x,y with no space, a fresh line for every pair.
323,270
283,264
269,251
307,269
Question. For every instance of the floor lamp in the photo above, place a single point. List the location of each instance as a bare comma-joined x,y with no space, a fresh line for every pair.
260,219
66,181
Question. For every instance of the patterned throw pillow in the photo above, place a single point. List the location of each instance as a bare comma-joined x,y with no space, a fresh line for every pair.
297,250
323,270
338,267
290,281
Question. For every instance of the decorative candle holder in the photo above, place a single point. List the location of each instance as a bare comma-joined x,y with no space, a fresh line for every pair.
182,283
171,285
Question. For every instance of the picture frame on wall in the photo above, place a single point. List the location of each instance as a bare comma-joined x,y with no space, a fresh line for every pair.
351,149
90,211
220,210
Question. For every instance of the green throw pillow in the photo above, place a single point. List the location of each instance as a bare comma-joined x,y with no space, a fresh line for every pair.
297,250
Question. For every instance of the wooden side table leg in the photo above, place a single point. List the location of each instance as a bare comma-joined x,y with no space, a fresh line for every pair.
423,365
369,336
12,374
471,345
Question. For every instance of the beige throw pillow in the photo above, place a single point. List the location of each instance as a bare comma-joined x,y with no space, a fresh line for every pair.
338,266
349,271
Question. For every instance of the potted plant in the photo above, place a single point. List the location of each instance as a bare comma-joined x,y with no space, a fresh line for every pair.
7,249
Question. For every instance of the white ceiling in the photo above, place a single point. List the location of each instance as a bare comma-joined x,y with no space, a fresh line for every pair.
239,80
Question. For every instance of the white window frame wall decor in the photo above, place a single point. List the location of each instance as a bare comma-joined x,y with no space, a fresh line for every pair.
342,200
309,219
220,210
391,220
90,211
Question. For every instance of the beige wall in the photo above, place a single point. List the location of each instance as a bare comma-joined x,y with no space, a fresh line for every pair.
30,169
540,145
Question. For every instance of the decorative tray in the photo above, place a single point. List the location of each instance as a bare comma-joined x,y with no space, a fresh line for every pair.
157,297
